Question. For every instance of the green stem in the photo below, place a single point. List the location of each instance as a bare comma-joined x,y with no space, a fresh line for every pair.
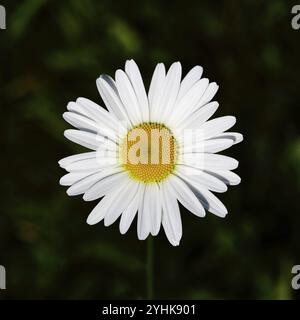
149,268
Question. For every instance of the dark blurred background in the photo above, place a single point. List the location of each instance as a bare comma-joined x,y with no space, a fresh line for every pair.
53,51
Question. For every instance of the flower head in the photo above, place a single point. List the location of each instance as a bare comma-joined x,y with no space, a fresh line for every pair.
150,151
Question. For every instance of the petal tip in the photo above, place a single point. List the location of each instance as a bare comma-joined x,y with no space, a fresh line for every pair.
90,221
61,181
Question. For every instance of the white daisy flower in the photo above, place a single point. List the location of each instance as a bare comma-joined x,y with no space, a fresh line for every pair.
150,152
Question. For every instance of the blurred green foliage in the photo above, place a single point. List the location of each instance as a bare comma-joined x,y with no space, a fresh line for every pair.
53,51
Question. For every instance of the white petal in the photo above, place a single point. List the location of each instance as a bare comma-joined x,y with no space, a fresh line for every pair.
187,198
103,186
135,77
155,91
107,148
91,164
209,161
80,122
170,90
109,94
208,94
209,201
84,184
168,232
188,103
227,177
125,196
236,137
76,108
83,123
215,126
128,97
85,139
99,212
206,180
189,80
196,119
214,205
100,115
73,177
171,219
152,207
130,212
81,156
144,222
208,146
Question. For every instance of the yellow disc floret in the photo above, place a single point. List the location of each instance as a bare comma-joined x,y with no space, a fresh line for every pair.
148,152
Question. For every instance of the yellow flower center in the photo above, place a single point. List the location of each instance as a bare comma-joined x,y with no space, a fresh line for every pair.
148,152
